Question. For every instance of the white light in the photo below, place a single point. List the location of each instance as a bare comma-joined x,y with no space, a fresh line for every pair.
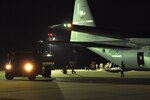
40,41
88,21
8,66
48,55
117,56
82,13
76,22
53,38
65,25
78,8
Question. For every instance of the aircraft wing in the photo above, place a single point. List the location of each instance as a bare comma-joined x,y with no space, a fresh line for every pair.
119,34
84,44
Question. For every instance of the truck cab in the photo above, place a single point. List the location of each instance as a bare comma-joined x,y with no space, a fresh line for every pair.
29,64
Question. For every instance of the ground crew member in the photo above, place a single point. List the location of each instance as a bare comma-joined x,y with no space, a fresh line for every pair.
122,69
72,67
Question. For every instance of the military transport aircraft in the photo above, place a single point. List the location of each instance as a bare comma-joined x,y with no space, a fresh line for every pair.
131,48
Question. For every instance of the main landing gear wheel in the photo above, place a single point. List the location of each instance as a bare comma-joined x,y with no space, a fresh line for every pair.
9,76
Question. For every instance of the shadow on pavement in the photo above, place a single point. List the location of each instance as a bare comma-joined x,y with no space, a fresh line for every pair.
40,89
137,81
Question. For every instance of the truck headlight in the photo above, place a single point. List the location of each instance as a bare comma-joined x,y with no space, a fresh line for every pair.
28,67
8,67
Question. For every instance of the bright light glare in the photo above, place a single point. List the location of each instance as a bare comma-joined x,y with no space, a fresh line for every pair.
53,38
65,25
117,56
8,66
69,25
48,55
28,67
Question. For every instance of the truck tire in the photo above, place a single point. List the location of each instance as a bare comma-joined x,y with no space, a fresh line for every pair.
9,76
47,72
32,77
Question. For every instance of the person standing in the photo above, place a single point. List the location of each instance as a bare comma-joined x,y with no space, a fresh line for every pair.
122,69
72,64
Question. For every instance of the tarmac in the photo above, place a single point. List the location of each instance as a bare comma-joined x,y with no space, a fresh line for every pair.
84,85
101,76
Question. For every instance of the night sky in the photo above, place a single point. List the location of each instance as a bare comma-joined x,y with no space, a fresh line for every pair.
26,21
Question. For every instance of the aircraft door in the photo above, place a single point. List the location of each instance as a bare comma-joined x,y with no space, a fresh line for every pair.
140,59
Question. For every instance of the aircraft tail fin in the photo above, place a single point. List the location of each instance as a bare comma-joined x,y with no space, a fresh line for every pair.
82,16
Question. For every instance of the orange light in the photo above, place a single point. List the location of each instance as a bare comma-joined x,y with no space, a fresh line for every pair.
28,67
69,25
